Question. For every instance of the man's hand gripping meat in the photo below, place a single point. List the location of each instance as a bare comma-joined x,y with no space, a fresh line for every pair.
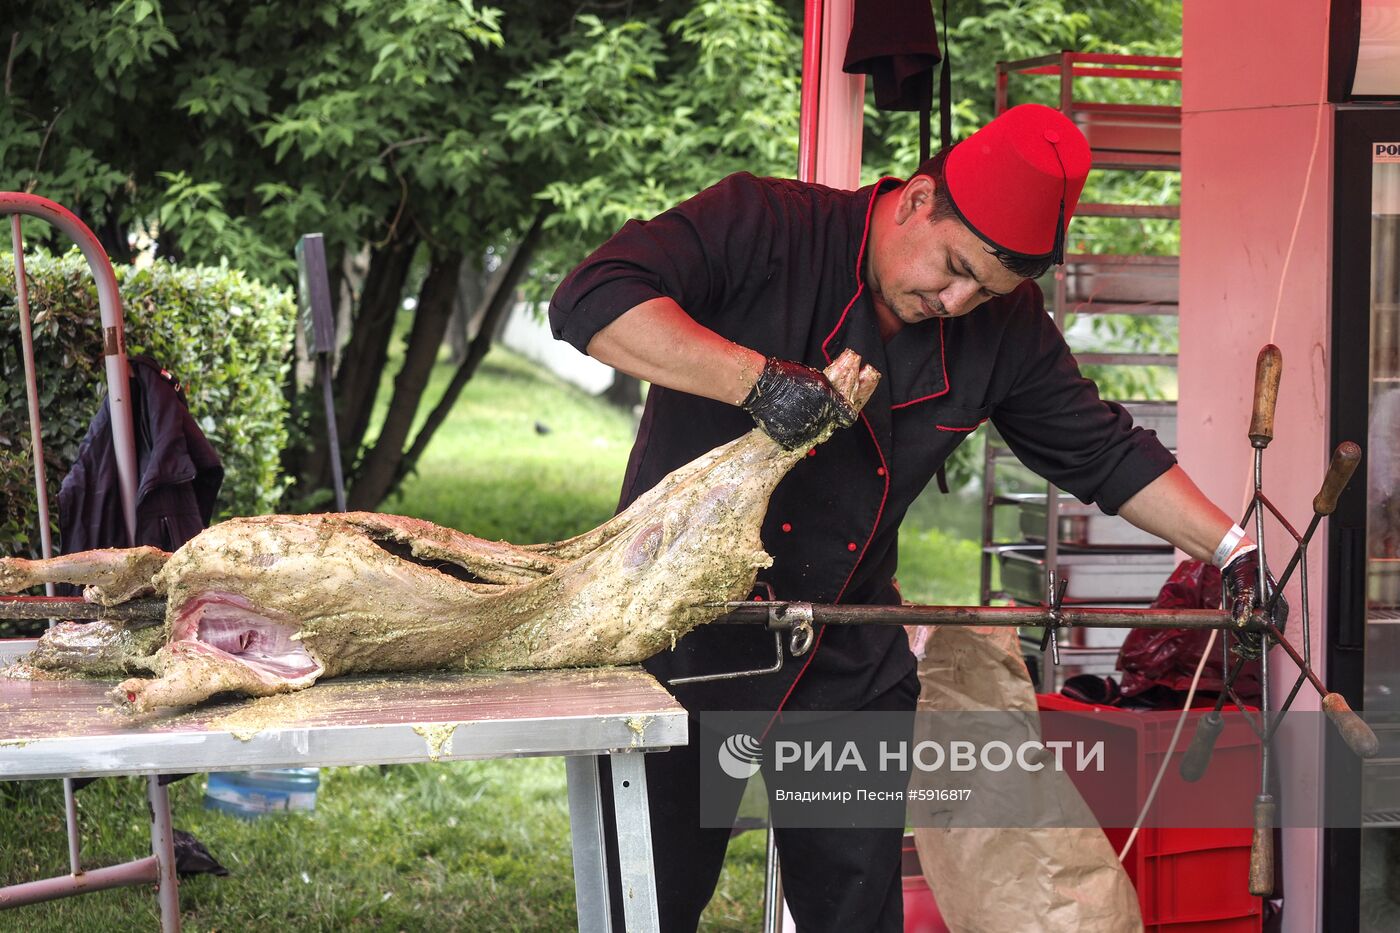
793,403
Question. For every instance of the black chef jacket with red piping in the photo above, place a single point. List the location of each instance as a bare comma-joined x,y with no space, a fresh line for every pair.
775,265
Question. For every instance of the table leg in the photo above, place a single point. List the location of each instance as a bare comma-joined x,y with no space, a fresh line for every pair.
633,817
772,885
590,857
163,847
70,808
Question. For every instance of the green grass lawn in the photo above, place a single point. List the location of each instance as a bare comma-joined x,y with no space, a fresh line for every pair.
524,457
450,846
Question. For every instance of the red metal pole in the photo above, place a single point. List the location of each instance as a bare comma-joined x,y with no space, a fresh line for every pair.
141,871
811,82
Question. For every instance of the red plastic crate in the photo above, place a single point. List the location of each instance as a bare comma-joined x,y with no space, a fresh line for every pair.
1187,880
1192,879
920,910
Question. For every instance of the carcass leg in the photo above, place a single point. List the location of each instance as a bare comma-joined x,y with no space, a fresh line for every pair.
190,673
112,576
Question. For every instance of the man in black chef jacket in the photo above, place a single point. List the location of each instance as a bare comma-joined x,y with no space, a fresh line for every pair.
730,304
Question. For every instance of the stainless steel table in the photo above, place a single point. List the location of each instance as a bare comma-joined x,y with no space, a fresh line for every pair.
68,728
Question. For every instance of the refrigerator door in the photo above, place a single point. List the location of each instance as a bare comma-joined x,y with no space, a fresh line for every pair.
1380,785
1364,558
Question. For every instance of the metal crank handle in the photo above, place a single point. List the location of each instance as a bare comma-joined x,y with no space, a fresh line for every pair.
1352,728
1267,370
1261,850
1344,461
1197,758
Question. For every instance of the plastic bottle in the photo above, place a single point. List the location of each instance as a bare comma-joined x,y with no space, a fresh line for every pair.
251,794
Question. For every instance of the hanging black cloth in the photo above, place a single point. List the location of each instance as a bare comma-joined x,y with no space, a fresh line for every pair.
178,472
896,43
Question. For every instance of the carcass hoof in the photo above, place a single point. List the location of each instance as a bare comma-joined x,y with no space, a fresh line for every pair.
15,575
130,695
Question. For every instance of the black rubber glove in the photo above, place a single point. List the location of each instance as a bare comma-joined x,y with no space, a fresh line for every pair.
793,404
1239,579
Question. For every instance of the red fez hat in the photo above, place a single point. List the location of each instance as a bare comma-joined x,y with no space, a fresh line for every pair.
1016,181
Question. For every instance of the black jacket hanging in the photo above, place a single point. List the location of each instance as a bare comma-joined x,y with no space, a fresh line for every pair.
896,43
178,472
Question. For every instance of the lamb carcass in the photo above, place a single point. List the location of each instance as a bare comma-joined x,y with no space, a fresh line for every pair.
270,604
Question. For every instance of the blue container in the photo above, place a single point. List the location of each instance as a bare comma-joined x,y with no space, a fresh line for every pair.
251,794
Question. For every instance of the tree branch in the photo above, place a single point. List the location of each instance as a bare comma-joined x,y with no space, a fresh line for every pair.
379,471
10,61
497,303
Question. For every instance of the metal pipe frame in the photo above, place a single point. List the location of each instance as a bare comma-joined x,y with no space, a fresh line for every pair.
158,867
17,205
41,489
811,85
113,334
141,871
163,848
31,393
772,884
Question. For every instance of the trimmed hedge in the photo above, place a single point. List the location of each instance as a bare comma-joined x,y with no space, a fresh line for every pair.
226,337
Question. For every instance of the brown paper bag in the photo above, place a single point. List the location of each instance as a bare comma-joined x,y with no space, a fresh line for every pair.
996,880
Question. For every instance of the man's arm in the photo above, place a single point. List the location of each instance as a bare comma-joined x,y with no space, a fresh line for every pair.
790,402
657,341
1172,507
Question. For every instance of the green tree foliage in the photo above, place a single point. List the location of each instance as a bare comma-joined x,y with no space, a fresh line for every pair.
413,135
639,114
227,130
421,135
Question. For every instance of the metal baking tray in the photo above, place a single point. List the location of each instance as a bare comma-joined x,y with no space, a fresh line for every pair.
1092,576
1383,583
1079,525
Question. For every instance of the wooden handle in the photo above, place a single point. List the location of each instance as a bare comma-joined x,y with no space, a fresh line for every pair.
1261,851
1197,757
1354,731
1267,371
1344,461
